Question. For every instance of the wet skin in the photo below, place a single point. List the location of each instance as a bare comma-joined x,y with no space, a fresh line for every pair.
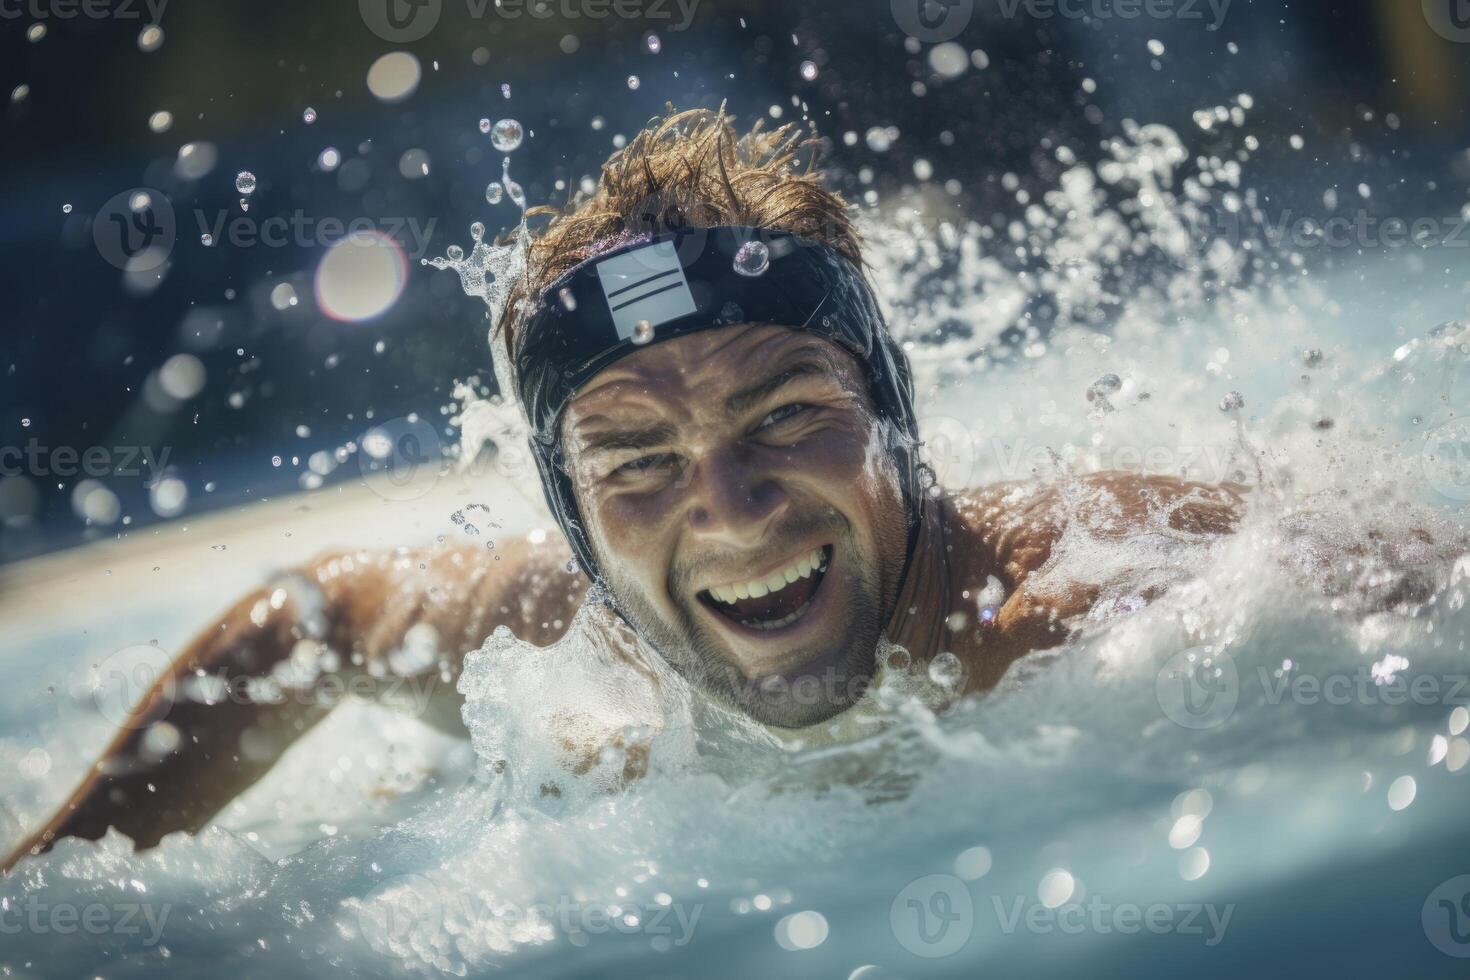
701,463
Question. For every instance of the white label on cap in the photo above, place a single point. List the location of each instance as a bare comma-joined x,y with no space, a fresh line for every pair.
645,284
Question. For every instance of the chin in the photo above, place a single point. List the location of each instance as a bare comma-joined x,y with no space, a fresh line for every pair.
818,689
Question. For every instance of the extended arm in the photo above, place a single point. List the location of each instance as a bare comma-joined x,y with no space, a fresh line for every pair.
278,660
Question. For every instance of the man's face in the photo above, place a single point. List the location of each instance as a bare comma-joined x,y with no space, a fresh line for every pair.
745,513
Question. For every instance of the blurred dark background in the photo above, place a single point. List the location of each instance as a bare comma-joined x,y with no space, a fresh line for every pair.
240,380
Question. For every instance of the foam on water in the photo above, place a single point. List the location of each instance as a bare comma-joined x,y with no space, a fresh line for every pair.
1077,770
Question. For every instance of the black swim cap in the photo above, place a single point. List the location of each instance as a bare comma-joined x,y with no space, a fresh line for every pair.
658,288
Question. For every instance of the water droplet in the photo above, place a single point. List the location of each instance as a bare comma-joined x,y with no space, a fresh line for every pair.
35,32
1103,387
634,82
329,158
244,204
809,70
477,231
753,259
505,89
454,252
506,135
880,138
150,38
1156,48
245,182
66,209
308,115
654,44
1233,401
206,239
642,332
946,670
25,423
484,125
494,192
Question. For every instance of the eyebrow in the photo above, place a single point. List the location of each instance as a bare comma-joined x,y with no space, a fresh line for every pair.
745,398
629,439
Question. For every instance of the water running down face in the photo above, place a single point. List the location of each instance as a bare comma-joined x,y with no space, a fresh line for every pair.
749,523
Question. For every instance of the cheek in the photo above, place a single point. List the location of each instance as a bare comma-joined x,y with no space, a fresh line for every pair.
634,532
841,465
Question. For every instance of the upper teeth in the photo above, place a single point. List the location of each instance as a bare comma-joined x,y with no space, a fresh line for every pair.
755,588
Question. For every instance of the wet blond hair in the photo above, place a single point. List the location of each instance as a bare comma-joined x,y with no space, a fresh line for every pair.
688,169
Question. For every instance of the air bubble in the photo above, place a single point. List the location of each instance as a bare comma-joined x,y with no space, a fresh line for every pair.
506,135
308,116
642,332
206,239
245,182
634,82
494,192
477,231
753,259
1233,401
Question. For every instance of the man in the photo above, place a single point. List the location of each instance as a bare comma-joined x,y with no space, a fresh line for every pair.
725,432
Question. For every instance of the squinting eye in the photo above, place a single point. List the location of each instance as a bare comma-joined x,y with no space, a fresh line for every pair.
644,464
782,414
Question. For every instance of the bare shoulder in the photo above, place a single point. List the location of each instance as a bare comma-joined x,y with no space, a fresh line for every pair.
1017,523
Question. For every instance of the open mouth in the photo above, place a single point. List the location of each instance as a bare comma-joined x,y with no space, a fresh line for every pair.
776,600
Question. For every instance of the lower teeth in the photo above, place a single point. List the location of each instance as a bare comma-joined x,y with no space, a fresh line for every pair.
778,623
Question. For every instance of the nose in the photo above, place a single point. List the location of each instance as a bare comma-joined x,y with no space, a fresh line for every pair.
734,502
